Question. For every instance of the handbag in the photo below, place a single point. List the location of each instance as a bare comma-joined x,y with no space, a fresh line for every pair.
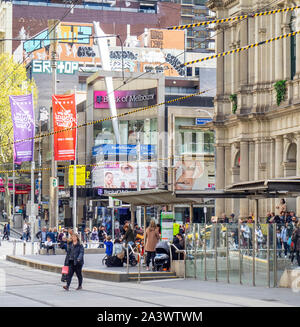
65,270
289,242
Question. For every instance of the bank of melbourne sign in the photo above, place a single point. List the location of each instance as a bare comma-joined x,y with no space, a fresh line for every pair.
126,99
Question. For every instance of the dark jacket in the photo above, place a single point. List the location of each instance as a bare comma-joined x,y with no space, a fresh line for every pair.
129,235
52,236
296,239
78,254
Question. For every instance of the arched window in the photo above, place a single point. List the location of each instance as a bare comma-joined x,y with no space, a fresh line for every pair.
293,44
237,160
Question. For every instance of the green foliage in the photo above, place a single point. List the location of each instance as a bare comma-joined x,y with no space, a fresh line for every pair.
233,99
13,81
280,88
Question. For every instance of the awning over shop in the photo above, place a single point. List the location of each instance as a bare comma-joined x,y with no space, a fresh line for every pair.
255,190
151,197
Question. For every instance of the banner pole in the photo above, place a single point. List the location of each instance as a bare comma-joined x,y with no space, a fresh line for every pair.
74,179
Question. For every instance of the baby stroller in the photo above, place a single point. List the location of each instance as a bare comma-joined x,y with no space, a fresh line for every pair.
132,259
162,256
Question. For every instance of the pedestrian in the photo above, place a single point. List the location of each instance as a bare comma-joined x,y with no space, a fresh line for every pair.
152,238
129,235
49,245
94,235
117,228
8,230
51,235
42,235
24,238
55,233
296,241
5,232
178,241
74,260
284,238
108,246
28,232
101,236
278,242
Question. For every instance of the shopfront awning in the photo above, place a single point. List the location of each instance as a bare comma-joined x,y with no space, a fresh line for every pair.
253,190
151,197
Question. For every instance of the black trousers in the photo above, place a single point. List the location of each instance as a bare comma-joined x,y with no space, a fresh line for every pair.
77,269
50,248
150,255
298,257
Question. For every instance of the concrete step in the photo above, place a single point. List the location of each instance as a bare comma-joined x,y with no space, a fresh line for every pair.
152,276
131,279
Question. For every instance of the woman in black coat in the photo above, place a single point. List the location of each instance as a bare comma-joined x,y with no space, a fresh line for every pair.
74,260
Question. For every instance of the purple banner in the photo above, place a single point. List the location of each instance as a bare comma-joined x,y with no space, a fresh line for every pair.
23,122
126,99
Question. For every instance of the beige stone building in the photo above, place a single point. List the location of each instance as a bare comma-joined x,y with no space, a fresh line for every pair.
261,140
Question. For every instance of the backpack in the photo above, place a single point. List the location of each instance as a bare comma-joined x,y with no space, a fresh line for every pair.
113,261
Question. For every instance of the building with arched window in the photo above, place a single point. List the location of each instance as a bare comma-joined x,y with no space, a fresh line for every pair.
257,117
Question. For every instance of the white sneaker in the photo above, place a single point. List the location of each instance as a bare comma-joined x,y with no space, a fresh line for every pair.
147,268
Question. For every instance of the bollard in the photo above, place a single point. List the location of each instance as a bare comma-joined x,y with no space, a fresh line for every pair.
24,248
32,248
205,267
14,247
139,272
127,259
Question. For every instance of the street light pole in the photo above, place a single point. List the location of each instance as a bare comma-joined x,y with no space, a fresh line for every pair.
138,209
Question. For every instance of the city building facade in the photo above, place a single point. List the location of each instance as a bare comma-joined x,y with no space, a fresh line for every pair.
256,124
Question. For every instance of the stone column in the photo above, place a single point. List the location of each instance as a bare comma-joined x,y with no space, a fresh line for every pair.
278,156
297,14
257,159
243,56
251,160
278,48
228,177
286,53
220,177
244,175
298,171
220,61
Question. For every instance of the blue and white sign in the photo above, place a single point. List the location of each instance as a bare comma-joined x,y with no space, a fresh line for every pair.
202,121
123,149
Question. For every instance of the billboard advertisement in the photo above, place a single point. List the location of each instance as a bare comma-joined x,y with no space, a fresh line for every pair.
195,174
22,114
126,99
64,117
123,175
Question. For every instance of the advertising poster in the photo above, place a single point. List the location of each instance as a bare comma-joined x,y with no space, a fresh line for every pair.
195,174
167,219
123,175
23,124
80,175
64,116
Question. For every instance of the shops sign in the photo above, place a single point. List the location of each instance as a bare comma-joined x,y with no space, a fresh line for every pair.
126,99
63,67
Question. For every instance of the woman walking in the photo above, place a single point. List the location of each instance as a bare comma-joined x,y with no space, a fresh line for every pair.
152,238
296,240
74,260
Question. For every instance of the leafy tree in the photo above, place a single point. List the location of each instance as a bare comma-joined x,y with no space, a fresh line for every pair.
13,81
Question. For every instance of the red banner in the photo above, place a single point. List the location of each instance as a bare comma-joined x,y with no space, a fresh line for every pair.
64,116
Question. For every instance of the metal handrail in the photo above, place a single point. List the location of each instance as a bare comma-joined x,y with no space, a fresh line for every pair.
139,266
177,251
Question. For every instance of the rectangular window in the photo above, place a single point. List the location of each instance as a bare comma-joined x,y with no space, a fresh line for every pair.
189,71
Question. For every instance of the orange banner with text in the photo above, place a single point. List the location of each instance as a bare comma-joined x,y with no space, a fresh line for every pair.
64,116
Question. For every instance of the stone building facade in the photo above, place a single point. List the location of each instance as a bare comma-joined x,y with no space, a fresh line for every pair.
260,139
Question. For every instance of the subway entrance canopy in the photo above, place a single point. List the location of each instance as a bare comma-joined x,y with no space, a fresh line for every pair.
273,188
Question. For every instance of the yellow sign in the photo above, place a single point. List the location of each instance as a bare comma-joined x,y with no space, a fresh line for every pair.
80,175
176,229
